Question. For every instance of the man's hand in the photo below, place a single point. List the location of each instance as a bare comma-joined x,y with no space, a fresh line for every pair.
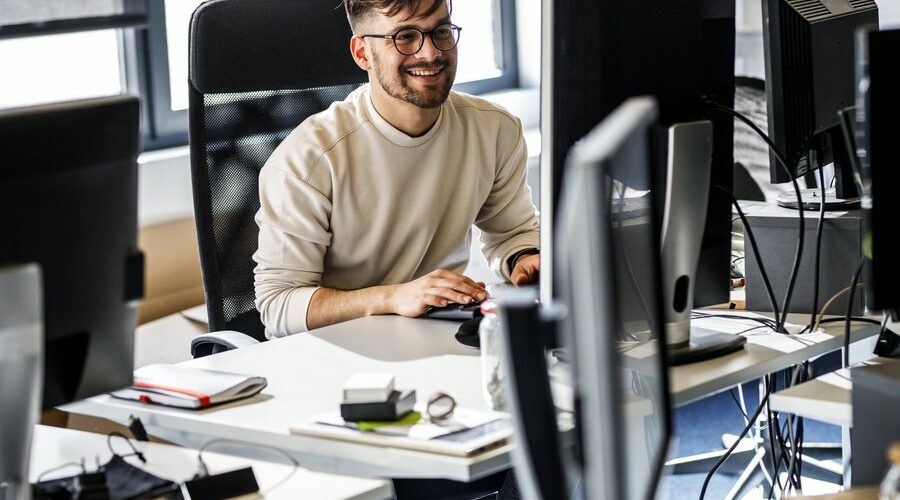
527,270
437,289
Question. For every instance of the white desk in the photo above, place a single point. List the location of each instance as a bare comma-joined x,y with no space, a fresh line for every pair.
828,398
761,355
52,446
306,373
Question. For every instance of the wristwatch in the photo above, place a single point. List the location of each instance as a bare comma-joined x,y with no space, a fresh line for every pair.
514,258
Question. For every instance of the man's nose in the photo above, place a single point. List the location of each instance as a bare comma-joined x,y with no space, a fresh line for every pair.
428,50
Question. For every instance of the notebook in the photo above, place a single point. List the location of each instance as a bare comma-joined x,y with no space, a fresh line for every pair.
467,433
185,387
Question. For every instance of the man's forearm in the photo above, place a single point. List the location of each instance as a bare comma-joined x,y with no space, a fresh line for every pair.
329,306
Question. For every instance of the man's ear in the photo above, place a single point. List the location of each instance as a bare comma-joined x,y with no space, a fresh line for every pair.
358,51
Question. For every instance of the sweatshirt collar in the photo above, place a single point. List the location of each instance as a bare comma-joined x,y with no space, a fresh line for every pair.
396,136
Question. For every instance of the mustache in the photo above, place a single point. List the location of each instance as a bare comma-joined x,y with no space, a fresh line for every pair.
429,65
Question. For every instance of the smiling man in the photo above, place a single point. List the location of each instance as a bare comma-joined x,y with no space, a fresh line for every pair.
367,207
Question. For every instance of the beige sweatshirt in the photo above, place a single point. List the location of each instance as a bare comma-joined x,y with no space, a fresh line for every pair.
348,202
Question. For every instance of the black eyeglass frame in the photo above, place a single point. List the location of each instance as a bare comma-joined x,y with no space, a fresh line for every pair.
393,38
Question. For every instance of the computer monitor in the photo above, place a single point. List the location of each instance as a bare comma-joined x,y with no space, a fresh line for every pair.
810,68
876,127
608,270
597,54
68,202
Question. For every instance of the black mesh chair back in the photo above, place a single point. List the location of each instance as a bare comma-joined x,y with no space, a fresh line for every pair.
258,68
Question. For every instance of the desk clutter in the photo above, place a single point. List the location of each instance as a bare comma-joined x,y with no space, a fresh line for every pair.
374,412
191,388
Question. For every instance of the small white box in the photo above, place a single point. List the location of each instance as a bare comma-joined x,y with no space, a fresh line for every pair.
369,387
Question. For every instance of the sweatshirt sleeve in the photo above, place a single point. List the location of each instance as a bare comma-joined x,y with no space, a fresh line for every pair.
508,219
293,222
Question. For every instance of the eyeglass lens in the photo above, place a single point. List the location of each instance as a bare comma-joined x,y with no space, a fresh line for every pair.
410,40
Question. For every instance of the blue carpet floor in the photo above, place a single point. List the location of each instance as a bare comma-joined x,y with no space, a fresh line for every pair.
698,428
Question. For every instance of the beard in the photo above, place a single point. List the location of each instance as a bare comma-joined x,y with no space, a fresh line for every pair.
397,84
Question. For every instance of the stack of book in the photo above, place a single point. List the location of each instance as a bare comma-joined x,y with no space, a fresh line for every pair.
372,397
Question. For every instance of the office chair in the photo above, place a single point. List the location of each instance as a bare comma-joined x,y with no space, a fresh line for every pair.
257,69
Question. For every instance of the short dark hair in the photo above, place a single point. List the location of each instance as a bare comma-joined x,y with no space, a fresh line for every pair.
358,10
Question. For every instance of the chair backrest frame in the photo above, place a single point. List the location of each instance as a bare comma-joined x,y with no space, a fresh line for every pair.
257,68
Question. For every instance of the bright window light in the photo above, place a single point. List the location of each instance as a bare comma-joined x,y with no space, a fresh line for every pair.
178,18
478,43
53,68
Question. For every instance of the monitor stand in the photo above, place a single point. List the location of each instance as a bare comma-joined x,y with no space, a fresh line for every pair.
21,373
812,199
844,195
684,221
704,344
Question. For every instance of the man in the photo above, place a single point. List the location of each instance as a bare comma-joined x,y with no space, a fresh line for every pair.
367,207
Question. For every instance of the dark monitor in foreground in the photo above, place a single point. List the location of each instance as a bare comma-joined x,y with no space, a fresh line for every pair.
608,269
877,129
810,68
68,202
878,126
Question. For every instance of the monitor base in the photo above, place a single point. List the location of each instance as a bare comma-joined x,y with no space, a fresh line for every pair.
704,344
813,197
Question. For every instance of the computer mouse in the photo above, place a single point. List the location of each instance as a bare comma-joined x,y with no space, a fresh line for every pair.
456,312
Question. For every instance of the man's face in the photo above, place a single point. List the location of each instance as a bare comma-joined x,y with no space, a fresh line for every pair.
409,77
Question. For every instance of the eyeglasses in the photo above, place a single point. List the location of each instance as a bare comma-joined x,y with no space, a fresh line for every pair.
409,41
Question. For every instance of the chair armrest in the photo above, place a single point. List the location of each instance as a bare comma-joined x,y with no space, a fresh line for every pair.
221,341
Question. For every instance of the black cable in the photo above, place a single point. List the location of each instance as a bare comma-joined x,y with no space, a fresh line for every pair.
134,450
853,283
731,449
796,444
770,425
748,232
61,467
855,318
738,403
802,229
815,302
763,321
798,255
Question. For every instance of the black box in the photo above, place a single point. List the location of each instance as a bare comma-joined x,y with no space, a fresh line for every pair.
397,405
776,232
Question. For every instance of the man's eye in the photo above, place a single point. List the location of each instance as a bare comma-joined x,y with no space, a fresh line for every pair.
443,32
406,36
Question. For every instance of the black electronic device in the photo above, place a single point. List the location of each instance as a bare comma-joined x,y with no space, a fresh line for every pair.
455,312
220,486
809,79
878,109
398,404
599,53
68,199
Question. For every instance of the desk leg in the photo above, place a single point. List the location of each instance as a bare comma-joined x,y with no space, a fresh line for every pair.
846,453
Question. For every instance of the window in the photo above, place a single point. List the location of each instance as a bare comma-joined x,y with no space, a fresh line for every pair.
487,57
105,47
87,63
